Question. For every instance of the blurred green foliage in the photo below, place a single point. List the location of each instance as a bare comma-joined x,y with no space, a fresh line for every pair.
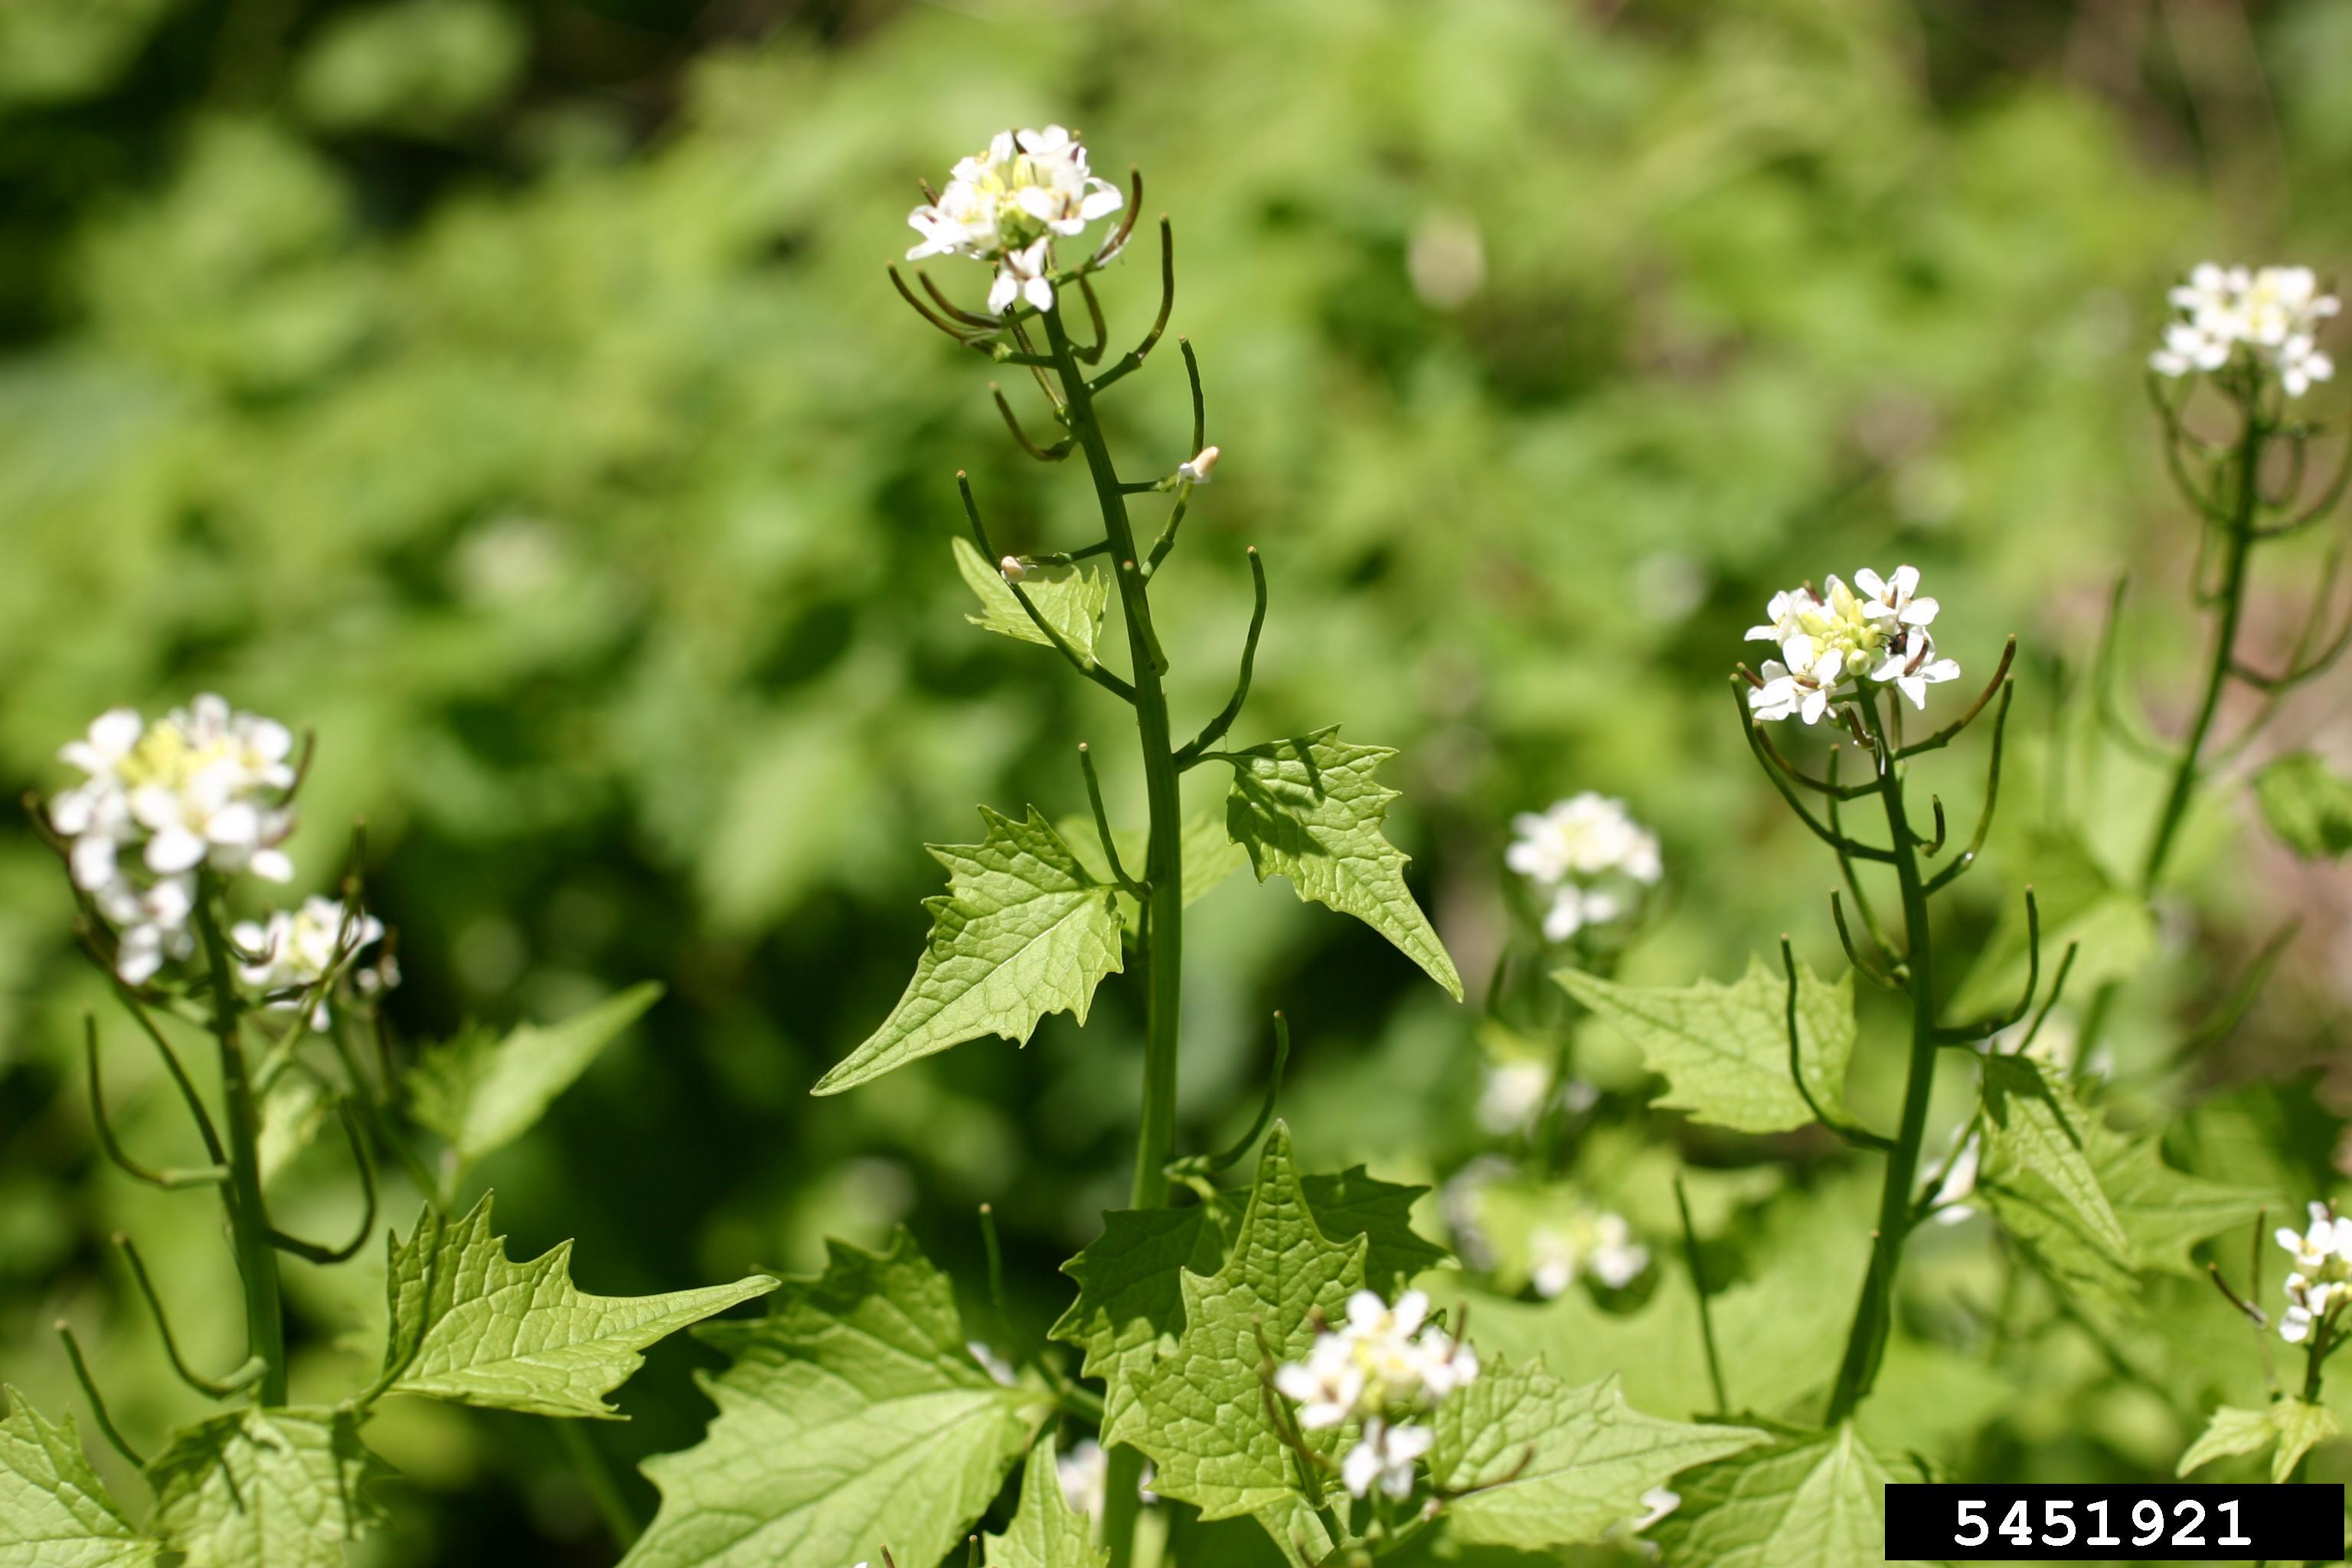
511,394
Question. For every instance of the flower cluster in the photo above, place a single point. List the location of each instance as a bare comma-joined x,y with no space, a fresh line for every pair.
1827,638
1593,1242
2322,1270
291,954
1007,203
1383,1363
2269,314
204,786
1581,856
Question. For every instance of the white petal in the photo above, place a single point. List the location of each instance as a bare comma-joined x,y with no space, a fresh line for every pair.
93,861
174,850
1920,612
1872,584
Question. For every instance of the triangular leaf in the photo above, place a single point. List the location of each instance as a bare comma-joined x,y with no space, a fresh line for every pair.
1045,1532
1723,1049
1199,1409
1022,930
2309,804
1071,598
1308,808
471,1326
1130,1304
266,1488
54,1510
1355,1202
2038,1127
1210,855
852,1417
1548,1465
1801,1502
480,1092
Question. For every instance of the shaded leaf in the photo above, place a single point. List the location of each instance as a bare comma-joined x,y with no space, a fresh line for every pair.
1308,808
2309,804
1355,1202
471,1326
54,1510
850,1417
1130,1304
266,1488
1045,1532
479,1093
1723,1049
1022,930
2037,1126
1801,1502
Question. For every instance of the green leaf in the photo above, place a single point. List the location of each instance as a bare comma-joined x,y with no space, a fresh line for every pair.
1130,1304
1308,808
2037,1127
1354,1203
1044,1531
478,1093
852,1417
266,1488
1548,1465
2287,1424
54,1510
1803,1502
471,1326
292,1112
1071,598
1022,930
2309,804
1723,1049
1199,1409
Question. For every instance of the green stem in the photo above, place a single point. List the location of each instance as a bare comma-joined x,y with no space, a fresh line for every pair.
1162,945
2188,772
1866,1342
2225,649
256,1259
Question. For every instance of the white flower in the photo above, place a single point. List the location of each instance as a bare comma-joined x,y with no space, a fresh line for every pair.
1784,617
1007,203
1656,1503
298,950
1385,1457
1912,665
1327,1387
2329,1239
1894,598
1799,683
1197,469
1020,274
203,786
1592,1242
2323,1268
1586,835
1514,1092
1574,908
2271,315
1085,1473
1446,1362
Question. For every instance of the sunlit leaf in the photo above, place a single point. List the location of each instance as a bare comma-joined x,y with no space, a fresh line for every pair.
1071,598
266,1488
1022,930
479,1092
54,1510
1308,809
1045,1532
1801,1503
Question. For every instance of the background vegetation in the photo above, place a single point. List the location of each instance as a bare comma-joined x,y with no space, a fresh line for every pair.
511,392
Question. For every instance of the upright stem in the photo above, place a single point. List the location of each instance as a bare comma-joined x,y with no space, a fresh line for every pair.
2225,650
256,1259
2187,772
1161,943
1866,1342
